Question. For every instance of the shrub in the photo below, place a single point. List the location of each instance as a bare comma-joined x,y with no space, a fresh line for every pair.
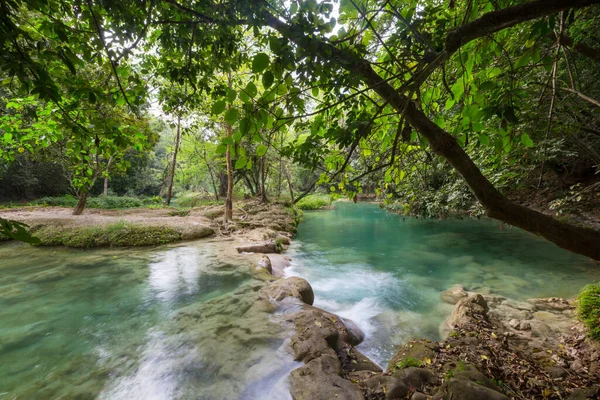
62,201
194,199
588,309
314,202
408,362
104,202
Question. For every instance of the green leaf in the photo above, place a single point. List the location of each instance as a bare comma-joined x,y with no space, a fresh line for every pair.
267,79
261,150
526,140
241,163
221,149
231,95
260,62
227,141
218,107
251,89
231,116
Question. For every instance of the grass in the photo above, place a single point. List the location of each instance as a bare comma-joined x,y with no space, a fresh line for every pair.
588,309
103,202
194,199
314,202
120,234
408,362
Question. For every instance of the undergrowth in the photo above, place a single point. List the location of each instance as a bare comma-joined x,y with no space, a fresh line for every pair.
588,309
314,202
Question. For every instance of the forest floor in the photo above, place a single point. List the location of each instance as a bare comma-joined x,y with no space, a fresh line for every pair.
143,226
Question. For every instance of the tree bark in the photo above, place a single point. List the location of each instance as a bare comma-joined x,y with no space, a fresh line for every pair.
289,179
81,203
174,163
105,191
229,199
570,237
263,192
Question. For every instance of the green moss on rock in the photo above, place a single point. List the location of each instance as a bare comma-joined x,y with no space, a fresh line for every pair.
119,234
588,309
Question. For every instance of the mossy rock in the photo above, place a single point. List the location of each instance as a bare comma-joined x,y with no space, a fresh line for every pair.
588,309
413,354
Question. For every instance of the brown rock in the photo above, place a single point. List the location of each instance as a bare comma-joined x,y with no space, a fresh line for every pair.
265,263
519,325
415,351
290,287
470,309
551,304
316,335
269,247
320,380
462,389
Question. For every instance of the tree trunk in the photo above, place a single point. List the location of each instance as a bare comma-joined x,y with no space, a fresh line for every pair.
212,181
81,203
287,175
105,192
579,240
263,191
229,198
174,163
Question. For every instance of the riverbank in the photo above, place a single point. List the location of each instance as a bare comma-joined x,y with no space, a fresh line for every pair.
56,226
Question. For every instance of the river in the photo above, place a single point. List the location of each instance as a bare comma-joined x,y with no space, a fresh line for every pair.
178,322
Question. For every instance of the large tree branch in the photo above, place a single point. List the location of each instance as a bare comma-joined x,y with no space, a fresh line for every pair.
498,20
581,48
580,240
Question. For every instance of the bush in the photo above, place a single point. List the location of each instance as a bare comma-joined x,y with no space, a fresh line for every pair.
104,202
194,199
314,202
588,309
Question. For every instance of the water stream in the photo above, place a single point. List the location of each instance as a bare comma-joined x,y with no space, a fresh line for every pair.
181,322
386,272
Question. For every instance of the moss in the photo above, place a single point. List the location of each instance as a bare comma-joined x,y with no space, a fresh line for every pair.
119,234
408,362
588,309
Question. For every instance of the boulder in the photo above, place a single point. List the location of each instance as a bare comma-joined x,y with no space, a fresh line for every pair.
415,378
320,380
353,360
454,294
316,335
504,312
269,247
283,240
463,389
290,287
387,387
265,263
469,309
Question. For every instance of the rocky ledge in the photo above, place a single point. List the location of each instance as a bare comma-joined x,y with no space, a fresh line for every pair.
496,348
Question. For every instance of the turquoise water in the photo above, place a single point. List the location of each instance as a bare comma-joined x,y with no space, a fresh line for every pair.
134,324
386,272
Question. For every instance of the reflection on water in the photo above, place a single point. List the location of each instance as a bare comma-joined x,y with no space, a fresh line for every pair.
170,323
386,272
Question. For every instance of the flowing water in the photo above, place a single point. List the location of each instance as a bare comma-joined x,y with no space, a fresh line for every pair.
386,272
168,323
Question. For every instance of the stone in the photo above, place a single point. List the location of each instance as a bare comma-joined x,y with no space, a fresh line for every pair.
585,393
269,247
418,351
540,329
462,389
556,372
469,309
493,300
385,386
519,305
283,240
519,325
355,334
316,335
551,304
354,360
576,365
504,312
415,378
265,263
293,286
320,380
419,396
454,294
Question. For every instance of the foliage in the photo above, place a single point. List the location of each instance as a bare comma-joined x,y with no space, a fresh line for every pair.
314,202
588,309
193,199
14,230
104,202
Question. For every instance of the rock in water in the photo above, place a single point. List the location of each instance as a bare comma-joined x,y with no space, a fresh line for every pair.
265,263
355,334
469,309
454,294
264,248
290,287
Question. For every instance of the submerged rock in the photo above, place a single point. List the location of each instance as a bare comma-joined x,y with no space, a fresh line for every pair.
454,294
